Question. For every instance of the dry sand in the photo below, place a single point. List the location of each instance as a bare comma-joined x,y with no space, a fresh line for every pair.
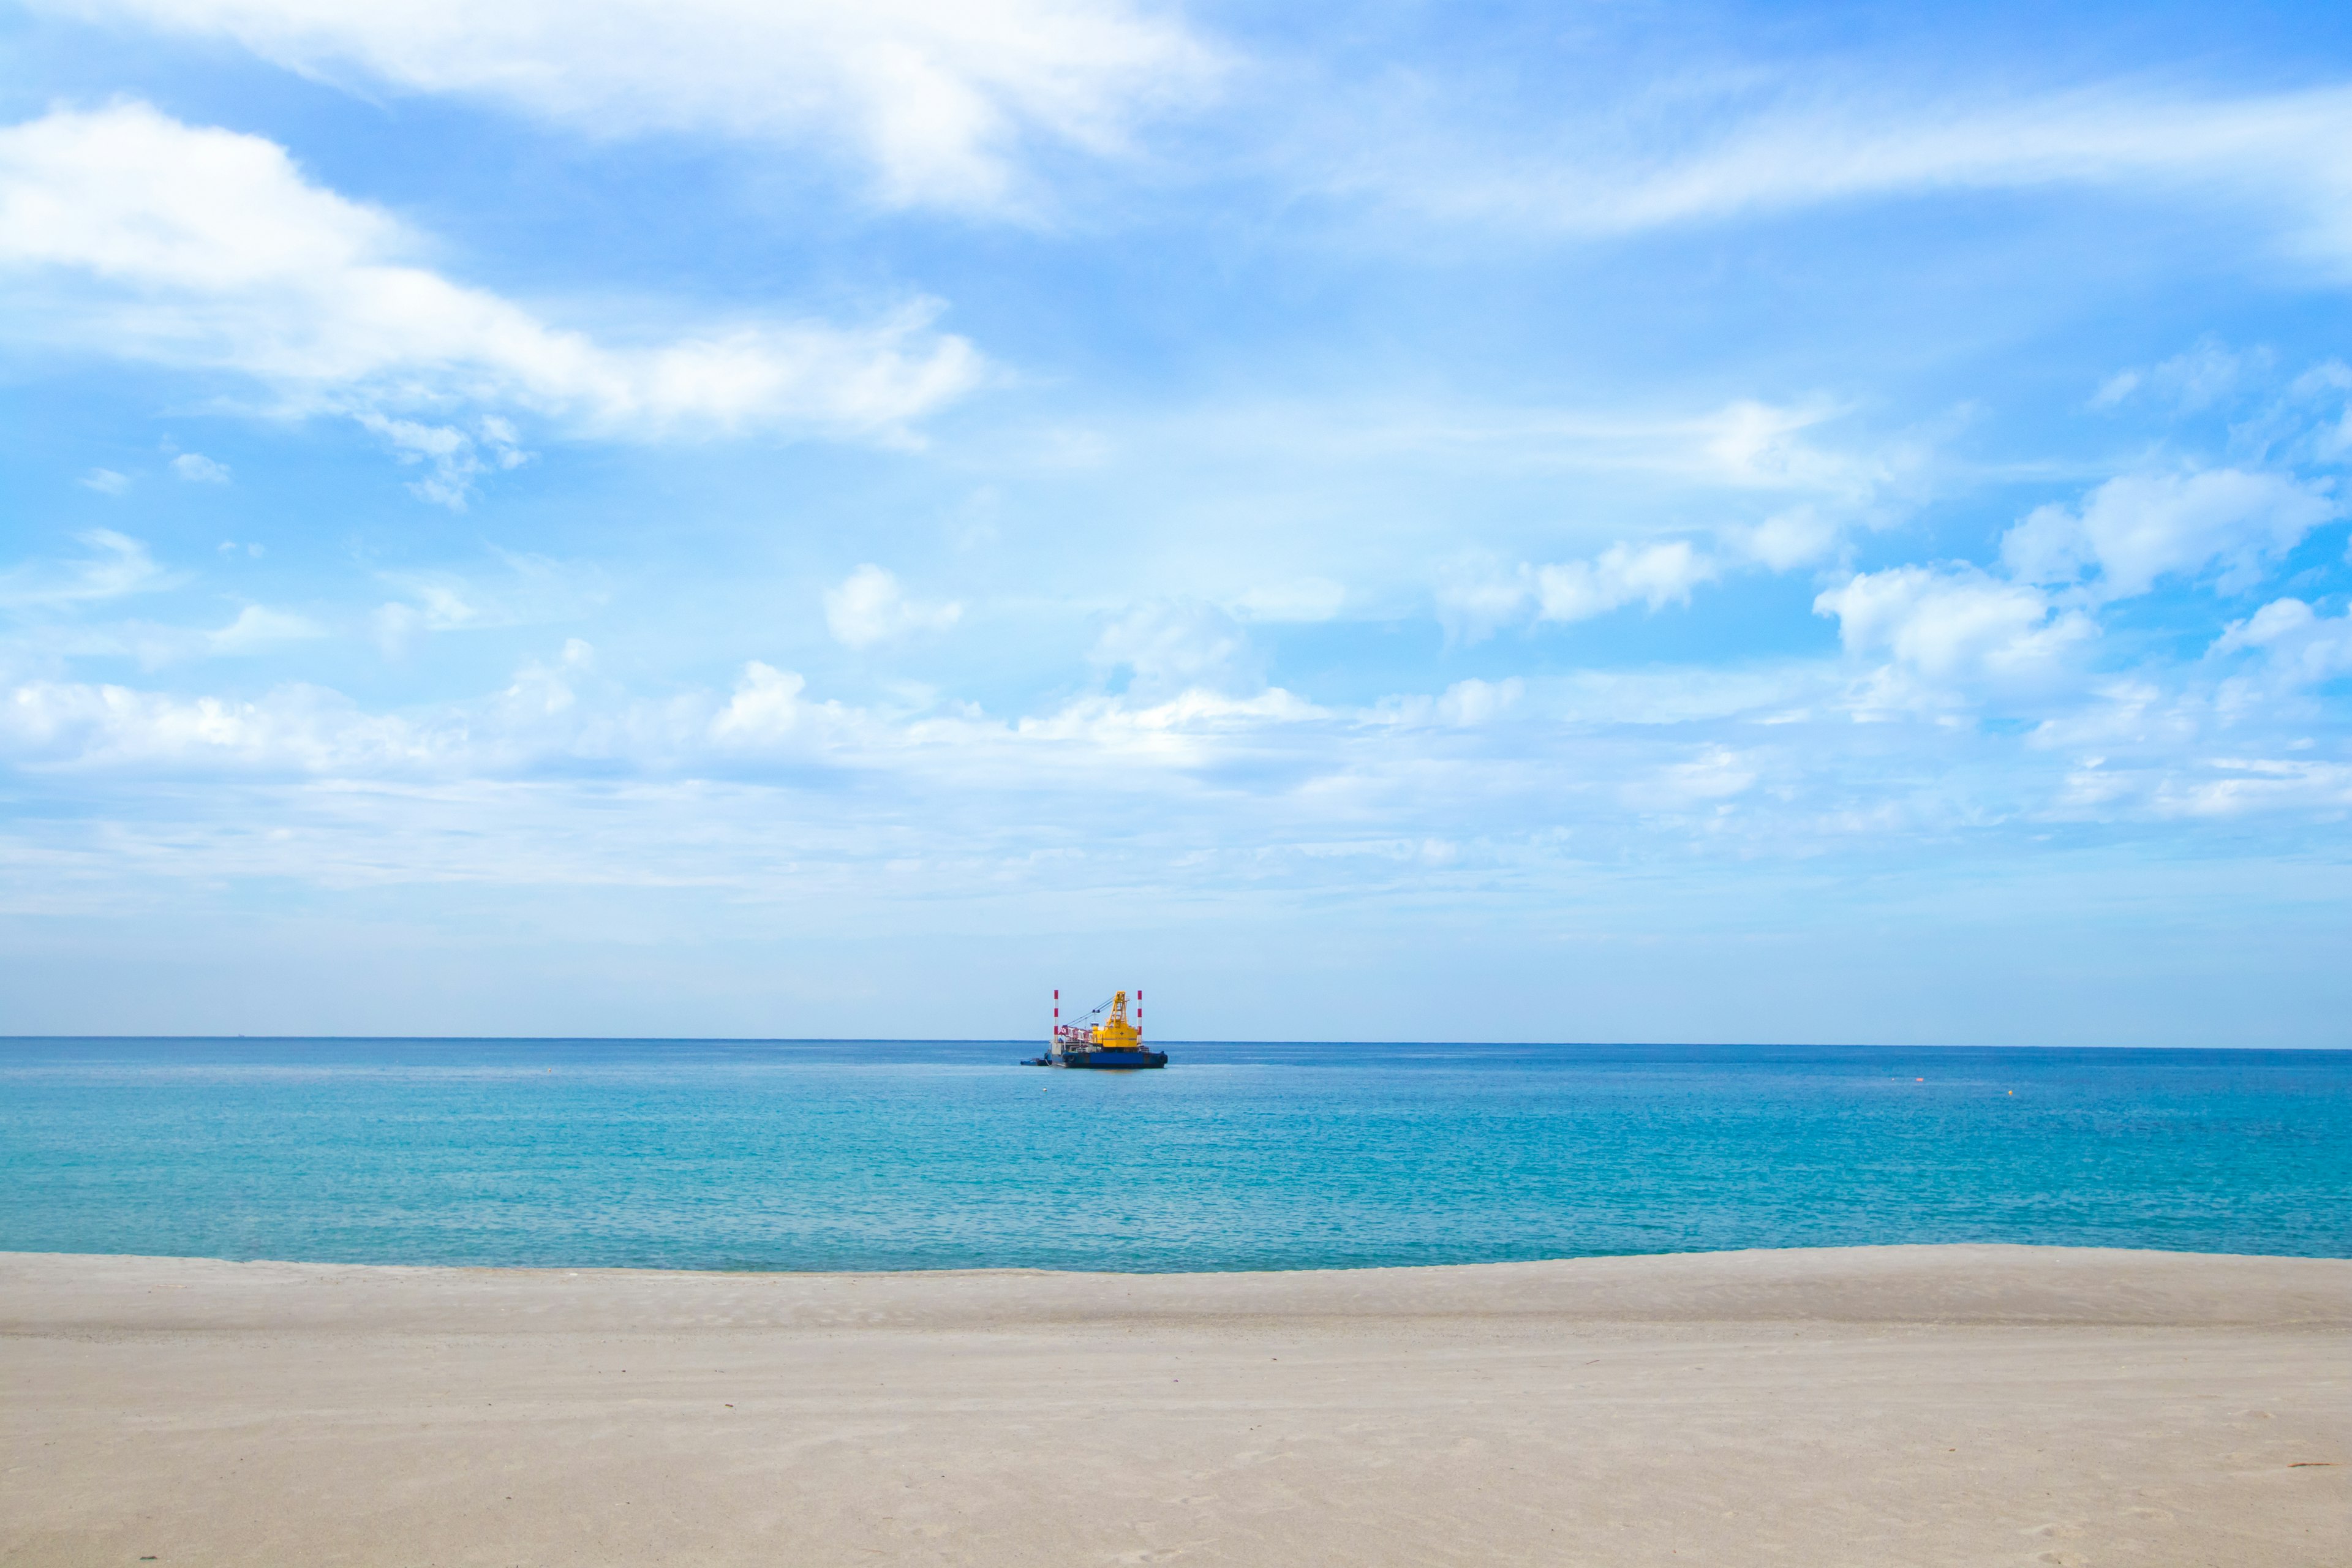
1958,1404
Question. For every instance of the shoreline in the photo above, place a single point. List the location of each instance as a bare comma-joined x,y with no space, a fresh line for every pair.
1027,1271
1941,1403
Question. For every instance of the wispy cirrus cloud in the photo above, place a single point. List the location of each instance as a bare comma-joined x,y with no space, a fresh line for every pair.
1759,153
532,590
257,630
115,565
939,104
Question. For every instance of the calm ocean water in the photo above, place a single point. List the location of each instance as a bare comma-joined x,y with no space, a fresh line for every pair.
799,1155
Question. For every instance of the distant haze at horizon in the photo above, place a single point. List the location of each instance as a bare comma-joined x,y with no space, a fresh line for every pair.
1748,524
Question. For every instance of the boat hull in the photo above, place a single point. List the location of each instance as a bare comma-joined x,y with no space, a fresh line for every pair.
1116,1059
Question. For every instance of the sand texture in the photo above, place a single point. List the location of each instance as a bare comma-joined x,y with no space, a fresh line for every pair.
1956,1404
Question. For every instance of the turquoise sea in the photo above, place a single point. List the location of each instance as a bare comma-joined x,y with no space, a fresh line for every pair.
828,1155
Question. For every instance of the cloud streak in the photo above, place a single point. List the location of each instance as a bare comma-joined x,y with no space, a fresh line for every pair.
940,104
116,565
2280,149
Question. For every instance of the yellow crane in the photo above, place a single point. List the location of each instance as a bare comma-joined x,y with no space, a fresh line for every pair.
1104,1038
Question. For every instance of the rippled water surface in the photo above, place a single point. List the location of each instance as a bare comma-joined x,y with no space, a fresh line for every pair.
926,1155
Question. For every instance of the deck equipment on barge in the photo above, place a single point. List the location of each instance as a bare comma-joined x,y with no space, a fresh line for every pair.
1102,1038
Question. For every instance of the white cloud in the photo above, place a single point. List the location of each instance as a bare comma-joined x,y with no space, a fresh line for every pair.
2137,528
2300,647
2333,441
1746,445
1726,460
1194,790
1954,623
106,481
125,232
767,710
396,626
869,608
2279,148
1180,645
533,590
938,100
1655,576
547,716
1465,704
1477,597
258,629
1469,703
458,458
1191,729
1798,537
302,728
1715,774
197,468
2198,379
544,690
116,565
1768,693
2247,784
1762,446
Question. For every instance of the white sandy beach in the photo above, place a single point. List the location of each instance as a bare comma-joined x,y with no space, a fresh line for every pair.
1956,1404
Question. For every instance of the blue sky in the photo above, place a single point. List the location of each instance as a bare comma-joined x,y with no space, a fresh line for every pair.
1603,522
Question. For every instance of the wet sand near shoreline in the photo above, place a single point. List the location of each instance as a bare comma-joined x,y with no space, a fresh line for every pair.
1931,1405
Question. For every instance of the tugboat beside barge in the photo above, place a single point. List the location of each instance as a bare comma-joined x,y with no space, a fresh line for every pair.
1103,1039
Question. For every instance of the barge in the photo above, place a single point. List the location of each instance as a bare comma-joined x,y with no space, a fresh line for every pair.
1102,1038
